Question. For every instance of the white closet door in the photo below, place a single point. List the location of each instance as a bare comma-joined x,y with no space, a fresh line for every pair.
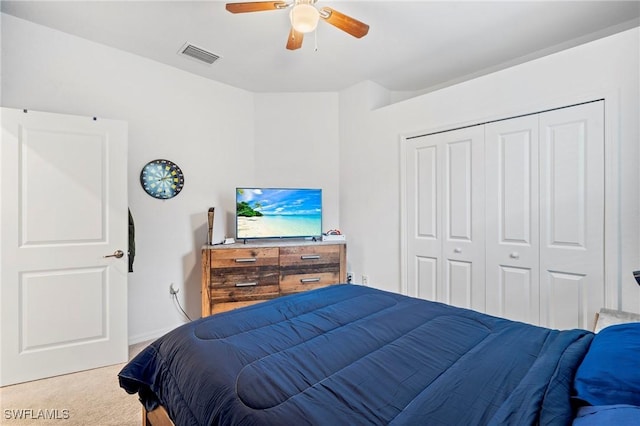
544,217
512,267
572,215
445,187
463,246
424,242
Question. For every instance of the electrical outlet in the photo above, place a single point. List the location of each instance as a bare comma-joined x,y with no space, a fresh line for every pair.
365,279
350,277
173,290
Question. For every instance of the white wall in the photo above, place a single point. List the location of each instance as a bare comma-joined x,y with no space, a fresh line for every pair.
199,124
297,144
221,137
370,170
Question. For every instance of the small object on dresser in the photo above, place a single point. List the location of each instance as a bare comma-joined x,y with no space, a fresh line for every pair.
210,214
334,237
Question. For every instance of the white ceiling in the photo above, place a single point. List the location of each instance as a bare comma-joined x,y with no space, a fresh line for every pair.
411,45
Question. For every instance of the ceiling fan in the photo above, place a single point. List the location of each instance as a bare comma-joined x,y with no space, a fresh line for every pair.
304,18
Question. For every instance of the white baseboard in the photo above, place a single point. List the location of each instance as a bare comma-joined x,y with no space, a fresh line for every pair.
151,335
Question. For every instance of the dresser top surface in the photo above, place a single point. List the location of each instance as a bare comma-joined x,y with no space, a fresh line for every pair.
271,243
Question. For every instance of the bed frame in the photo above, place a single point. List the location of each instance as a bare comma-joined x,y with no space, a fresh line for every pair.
156,417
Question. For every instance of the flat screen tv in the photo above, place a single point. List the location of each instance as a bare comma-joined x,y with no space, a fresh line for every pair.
278,213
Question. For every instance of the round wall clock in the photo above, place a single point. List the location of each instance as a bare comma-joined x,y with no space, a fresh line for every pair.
162,179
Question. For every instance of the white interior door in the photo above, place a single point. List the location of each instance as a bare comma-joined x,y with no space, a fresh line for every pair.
572,215
445,217
512,224
63,304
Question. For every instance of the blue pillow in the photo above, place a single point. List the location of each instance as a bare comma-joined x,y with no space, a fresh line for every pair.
618,415
610,371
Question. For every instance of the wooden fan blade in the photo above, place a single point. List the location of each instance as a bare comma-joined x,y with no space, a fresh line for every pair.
345,23
295,39
255,6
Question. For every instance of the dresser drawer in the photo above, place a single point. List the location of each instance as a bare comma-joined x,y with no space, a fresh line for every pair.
295,283
248,283
244,257
243,293
301,256
229,306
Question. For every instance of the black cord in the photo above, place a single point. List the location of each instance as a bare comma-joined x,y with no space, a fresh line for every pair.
175,296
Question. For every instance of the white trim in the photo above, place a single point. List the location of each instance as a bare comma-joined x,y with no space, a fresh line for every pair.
404,262
612,199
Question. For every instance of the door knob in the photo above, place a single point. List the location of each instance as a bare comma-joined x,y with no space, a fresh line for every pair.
515,255
457,250
117,254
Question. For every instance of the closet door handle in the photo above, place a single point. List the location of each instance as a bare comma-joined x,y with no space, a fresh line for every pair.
515,255
457,250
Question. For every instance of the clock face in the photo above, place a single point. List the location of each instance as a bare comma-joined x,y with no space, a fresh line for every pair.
162,179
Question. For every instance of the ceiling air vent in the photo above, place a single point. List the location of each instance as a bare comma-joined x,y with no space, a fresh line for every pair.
199,53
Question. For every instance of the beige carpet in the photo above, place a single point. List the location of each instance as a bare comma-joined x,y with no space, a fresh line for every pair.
91,397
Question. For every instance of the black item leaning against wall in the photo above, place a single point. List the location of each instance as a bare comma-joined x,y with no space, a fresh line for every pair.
132,242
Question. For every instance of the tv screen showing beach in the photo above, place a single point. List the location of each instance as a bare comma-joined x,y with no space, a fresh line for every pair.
278,213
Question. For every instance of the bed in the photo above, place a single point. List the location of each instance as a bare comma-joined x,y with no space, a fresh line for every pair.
353,355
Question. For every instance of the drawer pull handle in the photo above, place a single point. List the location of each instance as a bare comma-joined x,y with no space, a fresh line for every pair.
246,260
310,257
251,284
309,280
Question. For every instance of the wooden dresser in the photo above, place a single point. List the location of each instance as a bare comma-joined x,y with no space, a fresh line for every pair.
237,275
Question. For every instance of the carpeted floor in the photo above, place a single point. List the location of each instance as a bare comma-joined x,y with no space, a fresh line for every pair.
91,397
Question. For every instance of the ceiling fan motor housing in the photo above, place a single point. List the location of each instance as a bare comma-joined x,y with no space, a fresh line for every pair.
304,16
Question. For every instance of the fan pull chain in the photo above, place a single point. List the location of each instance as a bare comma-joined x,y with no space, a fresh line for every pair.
315,37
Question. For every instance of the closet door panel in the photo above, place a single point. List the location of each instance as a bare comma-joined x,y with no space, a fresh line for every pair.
512,244
445,220
460,283
572,215
427,193
567,305
463,218
423,217
518,293
426,273
458,191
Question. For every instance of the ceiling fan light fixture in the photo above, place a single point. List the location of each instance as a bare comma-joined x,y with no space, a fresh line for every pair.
304,18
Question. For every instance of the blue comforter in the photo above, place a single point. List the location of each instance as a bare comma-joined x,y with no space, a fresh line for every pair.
353,355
